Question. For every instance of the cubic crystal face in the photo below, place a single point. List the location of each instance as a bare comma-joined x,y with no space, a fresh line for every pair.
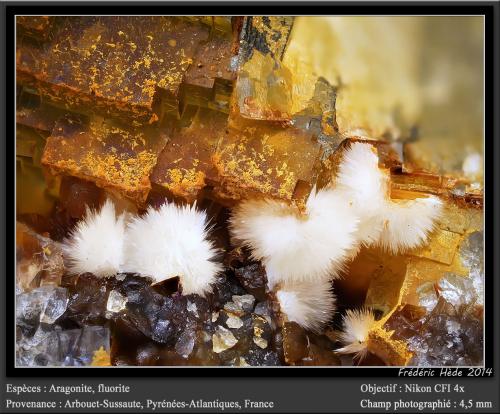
105,154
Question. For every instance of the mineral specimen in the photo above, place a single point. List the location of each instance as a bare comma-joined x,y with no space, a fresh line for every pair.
265,159
39,259
182,247
118,65
116,302
41,305
88,299
102,152
282,136
223,339
43,342
446,334
37,27
185,165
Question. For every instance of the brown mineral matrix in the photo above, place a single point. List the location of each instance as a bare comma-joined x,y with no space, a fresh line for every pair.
212,61
237,159
185,165
110,156
34,113
37,27
266,158
115,65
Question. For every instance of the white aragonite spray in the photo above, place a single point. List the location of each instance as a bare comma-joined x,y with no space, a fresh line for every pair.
365,187
360,177
406,224
310,304
356,326
293,246
172,241
96,243
395,225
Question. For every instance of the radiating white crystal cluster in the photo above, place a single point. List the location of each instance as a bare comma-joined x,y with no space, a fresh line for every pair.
301,251
163,243
356,325
304,251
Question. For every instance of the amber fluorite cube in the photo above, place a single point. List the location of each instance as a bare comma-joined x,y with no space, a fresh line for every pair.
111,156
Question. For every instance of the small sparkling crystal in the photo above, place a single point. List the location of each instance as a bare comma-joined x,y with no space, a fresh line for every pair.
223,339
234,322
244,302
116,302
